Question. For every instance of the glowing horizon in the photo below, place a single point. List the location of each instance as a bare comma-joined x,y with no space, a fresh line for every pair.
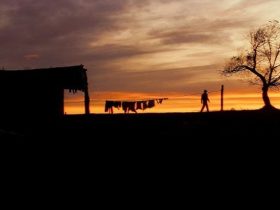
176,102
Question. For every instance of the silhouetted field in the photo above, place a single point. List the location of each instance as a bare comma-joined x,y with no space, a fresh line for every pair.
144,130
167,145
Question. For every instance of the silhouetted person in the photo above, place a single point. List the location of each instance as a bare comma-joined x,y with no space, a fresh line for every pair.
204,101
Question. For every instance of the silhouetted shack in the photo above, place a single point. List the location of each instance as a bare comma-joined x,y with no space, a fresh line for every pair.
39,93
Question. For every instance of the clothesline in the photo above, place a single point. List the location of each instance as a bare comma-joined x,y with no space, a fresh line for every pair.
135,100
132,105
122,100
147,99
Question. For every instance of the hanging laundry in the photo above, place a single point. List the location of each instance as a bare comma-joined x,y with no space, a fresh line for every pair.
73,91
145,105
109,106
128,106
117,104
151,103
139,105
131,105
159,101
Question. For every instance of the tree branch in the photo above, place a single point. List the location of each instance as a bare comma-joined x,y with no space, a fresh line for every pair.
276,55
254,71
274,81
275,67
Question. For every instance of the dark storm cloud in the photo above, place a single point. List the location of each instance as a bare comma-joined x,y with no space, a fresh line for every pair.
59,32
54,27
44,22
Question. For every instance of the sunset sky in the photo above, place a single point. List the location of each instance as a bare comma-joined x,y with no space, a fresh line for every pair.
138,49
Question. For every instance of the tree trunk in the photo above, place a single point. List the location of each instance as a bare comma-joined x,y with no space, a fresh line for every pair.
266,100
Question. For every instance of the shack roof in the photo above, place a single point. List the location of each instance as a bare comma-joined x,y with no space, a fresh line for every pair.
68,77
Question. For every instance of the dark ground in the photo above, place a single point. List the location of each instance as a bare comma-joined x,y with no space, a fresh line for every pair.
149,155
144,131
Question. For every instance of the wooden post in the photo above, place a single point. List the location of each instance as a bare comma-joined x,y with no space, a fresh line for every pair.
222,98
87,100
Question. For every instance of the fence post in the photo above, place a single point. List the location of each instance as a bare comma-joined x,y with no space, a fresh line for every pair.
222,98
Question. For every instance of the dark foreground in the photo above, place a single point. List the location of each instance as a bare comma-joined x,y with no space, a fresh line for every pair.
144,130
150,153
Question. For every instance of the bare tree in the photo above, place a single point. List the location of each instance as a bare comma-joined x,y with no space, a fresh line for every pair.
261,60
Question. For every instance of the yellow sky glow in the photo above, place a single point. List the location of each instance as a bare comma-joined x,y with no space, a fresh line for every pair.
176,102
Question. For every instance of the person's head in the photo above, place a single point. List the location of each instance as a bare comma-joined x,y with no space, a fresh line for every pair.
205,91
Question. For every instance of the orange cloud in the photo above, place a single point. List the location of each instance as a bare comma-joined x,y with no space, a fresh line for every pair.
31,56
